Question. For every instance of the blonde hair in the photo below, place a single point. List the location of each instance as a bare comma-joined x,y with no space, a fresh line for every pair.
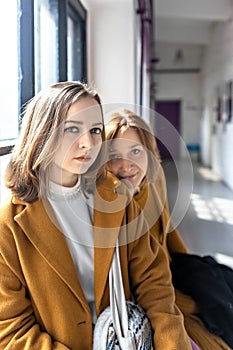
40,137
127,119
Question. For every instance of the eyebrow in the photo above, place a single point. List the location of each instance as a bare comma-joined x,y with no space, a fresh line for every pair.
81,123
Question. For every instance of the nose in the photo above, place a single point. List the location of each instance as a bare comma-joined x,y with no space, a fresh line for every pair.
126,165
85,141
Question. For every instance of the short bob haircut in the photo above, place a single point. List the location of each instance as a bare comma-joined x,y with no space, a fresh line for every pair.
127,119
40,136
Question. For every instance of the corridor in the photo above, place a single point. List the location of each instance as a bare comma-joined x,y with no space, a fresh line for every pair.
207,224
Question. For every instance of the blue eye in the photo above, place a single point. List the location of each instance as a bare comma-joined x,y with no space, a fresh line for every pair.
135,151
96,131
72,129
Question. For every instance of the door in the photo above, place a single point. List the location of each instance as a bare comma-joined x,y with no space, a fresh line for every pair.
166,139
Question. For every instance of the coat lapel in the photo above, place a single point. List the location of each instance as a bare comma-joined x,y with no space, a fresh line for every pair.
108,216
38,223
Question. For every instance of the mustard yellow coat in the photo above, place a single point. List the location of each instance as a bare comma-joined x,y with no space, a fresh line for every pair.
153,201
42,305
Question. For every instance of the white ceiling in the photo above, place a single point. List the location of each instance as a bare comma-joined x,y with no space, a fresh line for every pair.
188,21
186,25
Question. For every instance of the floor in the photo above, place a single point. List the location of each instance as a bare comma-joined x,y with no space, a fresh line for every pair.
202,209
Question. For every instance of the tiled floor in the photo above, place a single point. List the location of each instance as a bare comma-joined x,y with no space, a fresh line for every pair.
207,224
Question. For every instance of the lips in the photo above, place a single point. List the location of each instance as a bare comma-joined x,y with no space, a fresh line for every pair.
127,177
83,159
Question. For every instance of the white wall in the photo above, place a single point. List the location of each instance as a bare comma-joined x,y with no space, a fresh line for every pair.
217,138
111,49
186,88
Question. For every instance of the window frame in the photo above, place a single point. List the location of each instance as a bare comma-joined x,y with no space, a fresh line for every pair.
78,13
26,52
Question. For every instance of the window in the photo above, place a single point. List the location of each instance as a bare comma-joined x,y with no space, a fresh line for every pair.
43,41
76,43
9,84
9,71
46,43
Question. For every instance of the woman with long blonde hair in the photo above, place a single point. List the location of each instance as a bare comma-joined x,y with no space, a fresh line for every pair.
134,159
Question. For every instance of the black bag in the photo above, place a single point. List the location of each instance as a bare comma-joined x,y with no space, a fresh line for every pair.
210,284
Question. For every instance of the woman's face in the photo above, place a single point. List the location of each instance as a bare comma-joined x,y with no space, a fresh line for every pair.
128,158
81,142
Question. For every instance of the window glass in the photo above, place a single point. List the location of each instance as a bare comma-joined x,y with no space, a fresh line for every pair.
70,40
76,46
46,43
9,70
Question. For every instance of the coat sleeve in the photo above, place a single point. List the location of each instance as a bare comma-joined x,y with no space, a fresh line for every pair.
18,327
152,288
174,240
175,243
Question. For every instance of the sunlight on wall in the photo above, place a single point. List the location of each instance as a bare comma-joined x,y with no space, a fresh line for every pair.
213,209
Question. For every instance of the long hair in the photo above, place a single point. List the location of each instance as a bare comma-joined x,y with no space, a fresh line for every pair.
127,119
41,135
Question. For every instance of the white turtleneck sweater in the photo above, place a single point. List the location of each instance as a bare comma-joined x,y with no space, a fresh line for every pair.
74,213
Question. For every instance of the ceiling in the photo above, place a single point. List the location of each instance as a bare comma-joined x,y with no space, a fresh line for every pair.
188,21
185,26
